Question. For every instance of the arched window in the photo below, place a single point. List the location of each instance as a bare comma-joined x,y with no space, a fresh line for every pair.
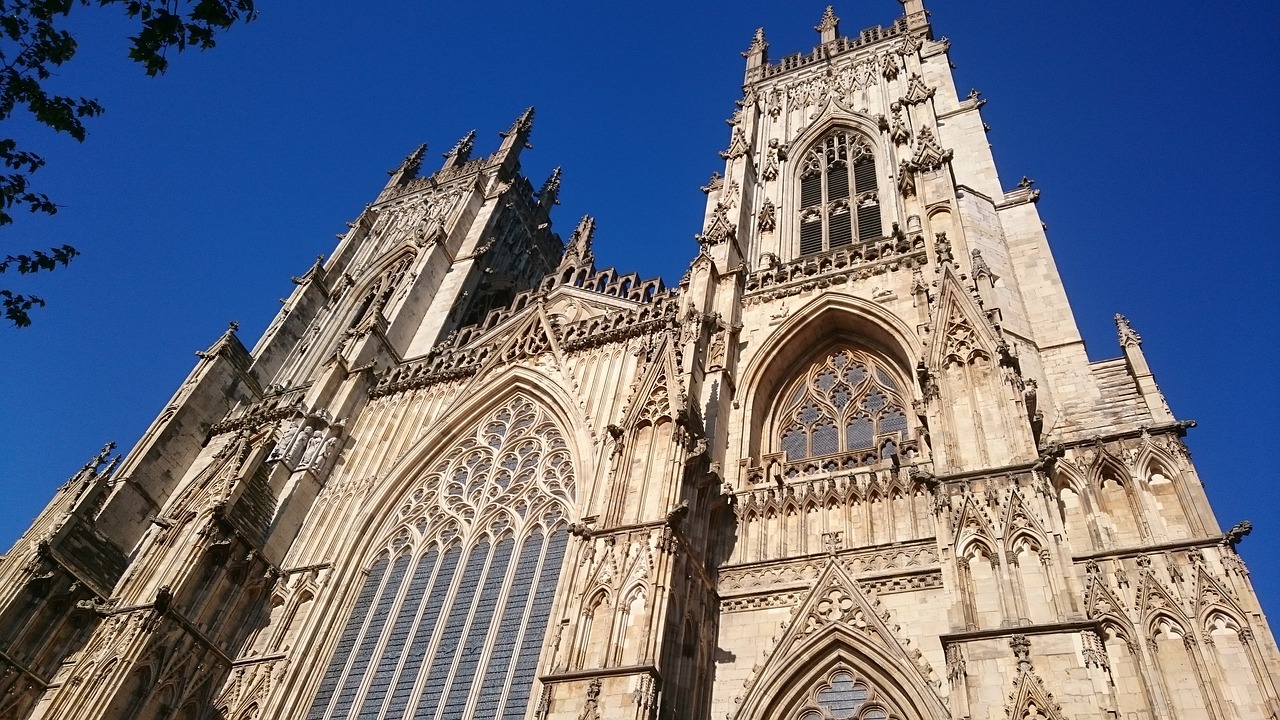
453,612
839,202
843,696
846,402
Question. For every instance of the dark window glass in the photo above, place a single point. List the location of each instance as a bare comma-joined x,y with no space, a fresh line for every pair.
329,683
422,635
410,606
535,632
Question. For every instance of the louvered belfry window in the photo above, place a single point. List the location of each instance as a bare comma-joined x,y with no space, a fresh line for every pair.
845,402
839,200
451,617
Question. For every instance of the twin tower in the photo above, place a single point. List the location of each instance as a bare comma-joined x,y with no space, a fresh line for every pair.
855,465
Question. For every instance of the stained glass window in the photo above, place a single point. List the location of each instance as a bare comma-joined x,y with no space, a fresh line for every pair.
845,402
472,595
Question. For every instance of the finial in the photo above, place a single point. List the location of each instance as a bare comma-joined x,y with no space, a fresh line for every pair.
578,250
715,183
462,149
829,26
408,169
758,43
1128,336
414,160
233,326
550,193
97,460
980,268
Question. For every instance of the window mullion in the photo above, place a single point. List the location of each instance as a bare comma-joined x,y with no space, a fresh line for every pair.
826,208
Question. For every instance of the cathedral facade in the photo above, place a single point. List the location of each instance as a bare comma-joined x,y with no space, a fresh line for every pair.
855,464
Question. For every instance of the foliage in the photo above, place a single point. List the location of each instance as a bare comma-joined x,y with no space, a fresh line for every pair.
33,44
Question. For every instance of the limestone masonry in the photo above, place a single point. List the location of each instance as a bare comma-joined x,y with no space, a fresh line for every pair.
856,464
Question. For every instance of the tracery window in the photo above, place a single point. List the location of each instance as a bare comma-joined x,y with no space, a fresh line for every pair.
843,696
453,611
839,202
846,402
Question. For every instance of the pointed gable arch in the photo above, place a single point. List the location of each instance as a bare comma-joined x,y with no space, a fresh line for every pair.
1020,522
1107,466
1101,604
657,394
1213,600
838,629
960,333
972,529
1156,605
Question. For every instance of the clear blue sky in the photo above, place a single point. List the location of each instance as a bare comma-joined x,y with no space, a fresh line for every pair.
199,193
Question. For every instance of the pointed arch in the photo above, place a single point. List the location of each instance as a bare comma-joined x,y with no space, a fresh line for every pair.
543,391
795,341
1075,508
1164,480
377,286
1118,501
461,518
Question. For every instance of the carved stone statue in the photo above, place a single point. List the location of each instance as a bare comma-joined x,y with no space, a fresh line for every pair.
299,445
313,449
282,447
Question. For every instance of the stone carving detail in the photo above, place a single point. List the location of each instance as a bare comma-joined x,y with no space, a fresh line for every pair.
917,91
737,144
719,229
1095,653
898,131
1029,700
955,663
766,220
773,155
591,709
910,45
890,65
914,558
929,154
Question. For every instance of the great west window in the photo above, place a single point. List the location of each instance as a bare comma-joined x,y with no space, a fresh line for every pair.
839,202
451,616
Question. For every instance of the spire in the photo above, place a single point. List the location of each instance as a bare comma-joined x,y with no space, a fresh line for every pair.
519,129
550,193
578,250
461,151
829,26
516,138
757,55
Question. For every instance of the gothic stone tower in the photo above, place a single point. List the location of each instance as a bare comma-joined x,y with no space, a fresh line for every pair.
855,465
